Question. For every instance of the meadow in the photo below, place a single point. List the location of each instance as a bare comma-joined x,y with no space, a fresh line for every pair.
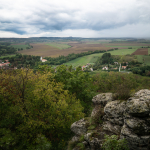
20,45
93,57
56,48
144,59
7,56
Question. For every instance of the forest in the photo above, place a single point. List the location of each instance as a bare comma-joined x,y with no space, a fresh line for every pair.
37,108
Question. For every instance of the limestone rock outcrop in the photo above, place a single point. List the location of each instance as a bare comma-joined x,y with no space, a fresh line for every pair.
129,119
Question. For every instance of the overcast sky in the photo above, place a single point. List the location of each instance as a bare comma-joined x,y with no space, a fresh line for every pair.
77,18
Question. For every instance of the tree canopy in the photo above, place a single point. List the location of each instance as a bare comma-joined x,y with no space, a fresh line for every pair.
36,112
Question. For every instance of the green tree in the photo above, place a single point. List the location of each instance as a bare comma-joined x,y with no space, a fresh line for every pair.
36,113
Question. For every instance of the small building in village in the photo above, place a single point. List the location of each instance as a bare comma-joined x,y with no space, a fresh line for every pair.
4,65
124,67
43,60
105,68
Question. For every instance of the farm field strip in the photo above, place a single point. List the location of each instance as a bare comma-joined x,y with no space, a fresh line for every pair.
141,51
143,58
59,45
83,60
125,46
19,46
148,51
119,44
41,49
93,57
122,51
7,56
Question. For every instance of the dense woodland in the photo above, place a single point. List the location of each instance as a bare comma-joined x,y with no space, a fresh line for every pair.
37,108
6,49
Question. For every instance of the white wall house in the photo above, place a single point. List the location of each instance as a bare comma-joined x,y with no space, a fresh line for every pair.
43,60
105,68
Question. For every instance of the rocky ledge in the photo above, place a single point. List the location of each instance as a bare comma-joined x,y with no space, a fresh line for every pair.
129,119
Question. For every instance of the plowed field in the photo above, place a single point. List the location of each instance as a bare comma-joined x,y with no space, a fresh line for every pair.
41,49
141,51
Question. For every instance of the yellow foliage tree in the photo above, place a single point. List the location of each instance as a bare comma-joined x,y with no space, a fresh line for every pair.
36,112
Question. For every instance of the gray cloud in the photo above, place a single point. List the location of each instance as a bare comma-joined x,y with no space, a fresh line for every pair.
40,16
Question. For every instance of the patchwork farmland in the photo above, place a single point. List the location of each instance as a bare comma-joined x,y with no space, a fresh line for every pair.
141,51
47,50
57,48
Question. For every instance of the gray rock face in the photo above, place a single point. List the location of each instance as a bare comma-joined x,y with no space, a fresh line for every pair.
111,127
102,99
138,107
79,127
129,119
115,109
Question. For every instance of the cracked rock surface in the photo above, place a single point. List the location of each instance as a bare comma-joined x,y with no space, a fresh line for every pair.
128,119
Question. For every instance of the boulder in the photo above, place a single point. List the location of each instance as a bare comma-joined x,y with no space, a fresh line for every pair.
102,99
116,129
115,109
129,119
79,127
138,126
138,107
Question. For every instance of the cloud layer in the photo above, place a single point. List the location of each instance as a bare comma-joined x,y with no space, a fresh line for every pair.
82,18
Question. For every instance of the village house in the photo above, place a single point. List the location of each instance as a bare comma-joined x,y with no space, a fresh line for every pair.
43,60
4,65
124,67
91,69
83,67
105,68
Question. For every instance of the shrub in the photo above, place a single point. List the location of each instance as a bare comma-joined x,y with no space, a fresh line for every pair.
112,143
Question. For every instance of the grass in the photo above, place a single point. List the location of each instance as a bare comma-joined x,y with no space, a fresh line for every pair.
122,51
124,46
20,46
59,45
93,42
93,57
146,59
84,60
148,51
7,56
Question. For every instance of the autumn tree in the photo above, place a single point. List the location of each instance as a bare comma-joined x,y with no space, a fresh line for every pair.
36,113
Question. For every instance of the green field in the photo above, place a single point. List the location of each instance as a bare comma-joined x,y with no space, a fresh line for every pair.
148,51
84,60
93,57
93,42
122,51
20,46
7,56
143,58
59,45
125,46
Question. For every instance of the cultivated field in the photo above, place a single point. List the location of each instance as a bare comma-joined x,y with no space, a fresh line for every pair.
59,45
144,59
57,48
7,56
93,57
44,50
19,45
141,51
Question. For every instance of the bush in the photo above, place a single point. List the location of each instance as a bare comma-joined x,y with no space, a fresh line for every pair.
112,143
